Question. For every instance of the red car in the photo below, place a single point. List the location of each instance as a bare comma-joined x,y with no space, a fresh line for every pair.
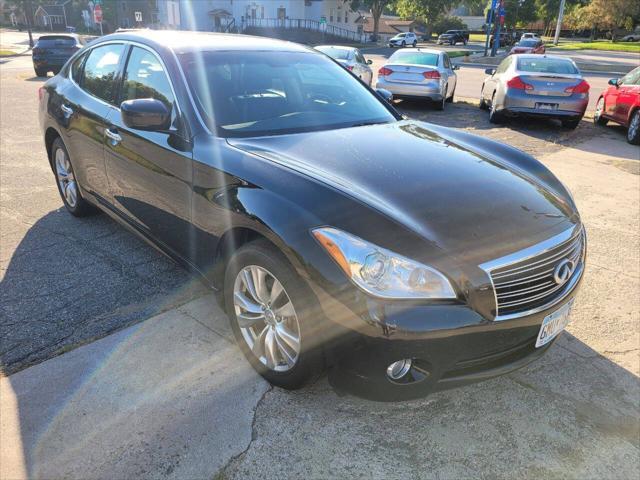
620,103
528,45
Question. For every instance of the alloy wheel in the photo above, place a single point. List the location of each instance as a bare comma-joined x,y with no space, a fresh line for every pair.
66,178
597,116
633,133
266,318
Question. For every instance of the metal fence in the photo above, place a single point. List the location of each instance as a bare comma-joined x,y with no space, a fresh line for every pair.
304,24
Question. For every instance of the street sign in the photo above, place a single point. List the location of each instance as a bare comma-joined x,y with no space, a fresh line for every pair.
323,19
138,16
97,14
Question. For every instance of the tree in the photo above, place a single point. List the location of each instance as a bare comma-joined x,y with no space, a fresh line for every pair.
606,15
376,7
448,23
520,12
429,10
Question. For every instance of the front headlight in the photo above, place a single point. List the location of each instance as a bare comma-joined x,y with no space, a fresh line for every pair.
380,272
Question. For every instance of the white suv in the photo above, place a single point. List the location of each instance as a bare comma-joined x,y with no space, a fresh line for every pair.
404,39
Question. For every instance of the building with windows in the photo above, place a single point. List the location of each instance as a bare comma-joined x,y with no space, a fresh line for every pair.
333,16
52,16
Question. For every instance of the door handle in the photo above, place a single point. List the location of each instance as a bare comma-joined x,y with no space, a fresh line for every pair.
68,111
113,136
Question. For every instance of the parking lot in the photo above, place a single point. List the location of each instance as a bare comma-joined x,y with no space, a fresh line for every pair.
172,396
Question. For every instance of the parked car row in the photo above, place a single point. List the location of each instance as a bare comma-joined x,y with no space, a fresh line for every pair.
526,83
338,233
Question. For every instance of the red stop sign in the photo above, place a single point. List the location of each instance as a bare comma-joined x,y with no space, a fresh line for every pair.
97,14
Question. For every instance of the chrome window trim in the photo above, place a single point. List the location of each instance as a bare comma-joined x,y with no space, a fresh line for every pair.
533,251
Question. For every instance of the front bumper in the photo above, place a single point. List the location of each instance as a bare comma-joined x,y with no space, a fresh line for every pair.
517,102
450,346
431,90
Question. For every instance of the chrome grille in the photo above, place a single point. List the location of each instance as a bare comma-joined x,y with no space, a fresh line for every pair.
531,284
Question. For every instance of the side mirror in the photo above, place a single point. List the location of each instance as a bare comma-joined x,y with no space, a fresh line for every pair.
386,94
490,71
613,81
369,62
146,114
455,67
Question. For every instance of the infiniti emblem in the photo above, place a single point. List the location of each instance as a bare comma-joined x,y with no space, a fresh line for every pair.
563,271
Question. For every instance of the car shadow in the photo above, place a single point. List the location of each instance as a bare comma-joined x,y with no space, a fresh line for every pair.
71,280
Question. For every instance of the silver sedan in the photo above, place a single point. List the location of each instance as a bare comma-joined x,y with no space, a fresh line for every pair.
351,59
535,85
420,73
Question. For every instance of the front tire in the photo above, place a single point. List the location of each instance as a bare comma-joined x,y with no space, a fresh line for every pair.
274,316
41,72
633,132
415,44
67,182
598,118
404,44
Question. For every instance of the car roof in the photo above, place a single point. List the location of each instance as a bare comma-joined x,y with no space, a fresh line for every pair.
422,50
336,46
188,41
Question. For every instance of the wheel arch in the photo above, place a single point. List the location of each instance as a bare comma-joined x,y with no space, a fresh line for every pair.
50,136
632,111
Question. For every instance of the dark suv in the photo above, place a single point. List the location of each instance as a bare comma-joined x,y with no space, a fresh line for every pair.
51,52
454,36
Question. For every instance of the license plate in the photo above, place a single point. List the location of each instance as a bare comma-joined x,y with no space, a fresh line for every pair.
546,106
553,324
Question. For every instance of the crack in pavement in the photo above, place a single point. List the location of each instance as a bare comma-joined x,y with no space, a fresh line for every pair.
221,475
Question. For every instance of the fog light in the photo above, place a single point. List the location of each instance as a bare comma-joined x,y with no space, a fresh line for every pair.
399,369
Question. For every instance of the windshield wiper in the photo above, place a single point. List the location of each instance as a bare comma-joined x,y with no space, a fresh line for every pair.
364,124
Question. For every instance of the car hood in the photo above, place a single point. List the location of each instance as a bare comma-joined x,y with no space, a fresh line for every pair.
458,195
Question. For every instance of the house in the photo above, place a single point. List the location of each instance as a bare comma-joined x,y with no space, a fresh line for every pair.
389,26
52,16
333,16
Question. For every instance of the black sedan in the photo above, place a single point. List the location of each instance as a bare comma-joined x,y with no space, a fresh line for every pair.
51,52
406,256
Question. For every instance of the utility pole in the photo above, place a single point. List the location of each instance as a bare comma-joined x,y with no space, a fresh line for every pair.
559,24
29,17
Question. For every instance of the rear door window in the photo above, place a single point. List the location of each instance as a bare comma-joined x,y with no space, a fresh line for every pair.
76,68
100,71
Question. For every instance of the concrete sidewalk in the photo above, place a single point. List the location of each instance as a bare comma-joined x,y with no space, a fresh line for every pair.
168,398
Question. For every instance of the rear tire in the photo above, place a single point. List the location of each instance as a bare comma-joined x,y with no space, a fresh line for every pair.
450,99
598,118
67,183
441,104
304,310
633,132
40,72
571,124
404,44
495,117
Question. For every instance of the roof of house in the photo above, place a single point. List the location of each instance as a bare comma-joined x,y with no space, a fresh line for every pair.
52,10
391,25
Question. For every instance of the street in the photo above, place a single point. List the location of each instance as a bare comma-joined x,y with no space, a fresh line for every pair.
134,372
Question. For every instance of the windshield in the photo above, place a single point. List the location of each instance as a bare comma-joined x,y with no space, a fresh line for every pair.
335,52
546,65
451,32
527,43
400,35
415,58
252,93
